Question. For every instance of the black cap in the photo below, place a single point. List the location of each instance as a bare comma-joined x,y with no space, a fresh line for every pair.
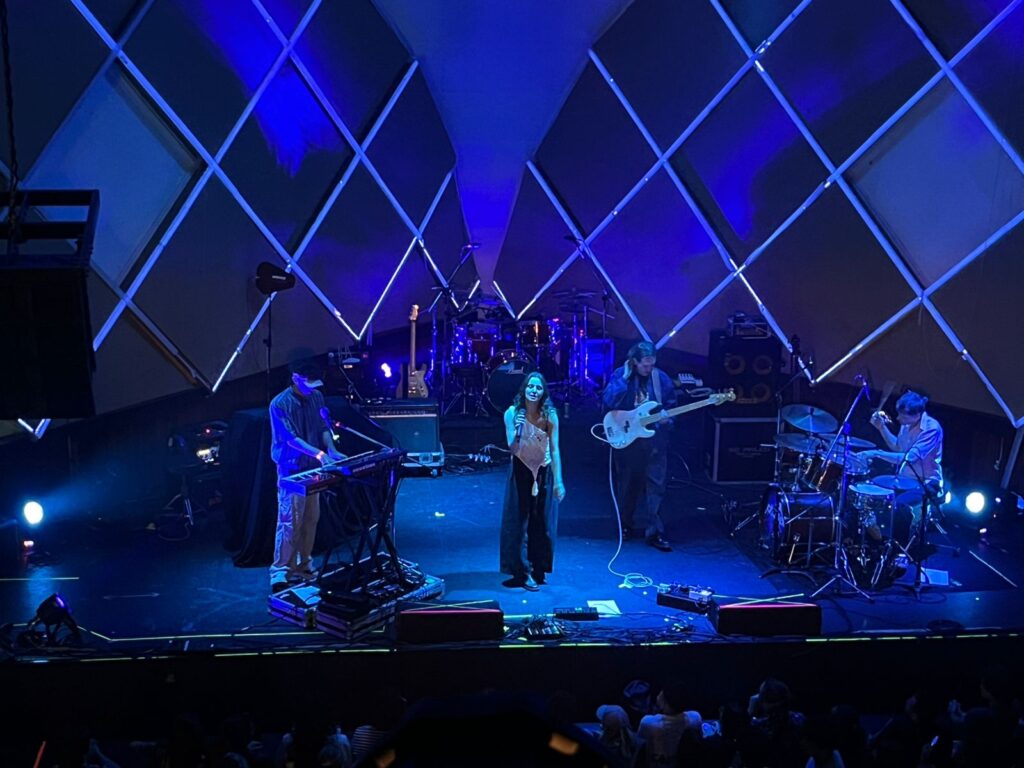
303,362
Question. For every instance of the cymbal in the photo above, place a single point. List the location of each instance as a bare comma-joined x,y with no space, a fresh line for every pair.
895,482
798,443
809,419
574,293
854,442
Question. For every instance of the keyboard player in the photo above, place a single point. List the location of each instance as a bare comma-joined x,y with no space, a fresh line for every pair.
300,440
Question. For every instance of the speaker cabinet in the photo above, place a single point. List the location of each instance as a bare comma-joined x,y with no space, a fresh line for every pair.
414,424
750,366
767,619
46,344
451,622
739,449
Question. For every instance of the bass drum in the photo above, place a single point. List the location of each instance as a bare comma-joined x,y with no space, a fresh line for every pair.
796,525
508,370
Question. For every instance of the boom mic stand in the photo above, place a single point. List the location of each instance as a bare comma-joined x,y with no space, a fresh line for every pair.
841,572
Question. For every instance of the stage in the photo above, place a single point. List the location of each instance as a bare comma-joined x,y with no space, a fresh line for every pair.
136,592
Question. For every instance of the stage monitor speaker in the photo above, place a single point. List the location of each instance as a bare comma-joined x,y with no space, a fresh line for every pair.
767,619
413,423
750,366
46,344
451,622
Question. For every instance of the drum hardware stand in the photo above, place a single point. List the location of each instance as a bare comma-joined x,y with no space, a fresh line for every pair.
745,522
794,381
841,573
919,541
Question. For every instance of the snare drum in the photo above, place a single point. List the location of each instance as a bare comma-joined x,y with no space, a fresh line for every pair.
874,507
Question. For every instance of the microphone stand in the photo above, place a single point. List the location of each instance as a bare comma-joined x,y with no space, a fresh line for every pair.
367,438
841,572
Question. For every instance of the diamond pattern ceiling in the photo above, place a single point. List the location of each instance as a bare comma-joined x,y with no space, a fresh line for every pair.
223,133
850,169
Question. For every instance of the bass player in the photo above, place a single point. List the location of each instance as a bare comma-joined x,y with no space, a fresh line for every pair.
641,469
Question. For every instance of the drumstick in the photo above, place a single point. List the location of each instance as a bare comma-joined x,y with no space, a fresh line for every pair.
887,390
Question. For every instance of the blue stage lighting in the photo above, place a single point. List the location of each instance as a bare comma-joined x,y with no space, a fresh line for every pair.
32,512
975,502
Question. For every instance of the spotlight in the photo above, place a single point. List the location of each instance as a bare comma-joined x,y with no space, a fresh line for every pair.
32,512
975,502
949,497
386,369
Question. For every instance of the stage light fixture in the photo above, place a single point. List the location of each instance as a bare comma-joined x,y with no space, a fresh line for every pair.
53,613
32,512
975,502
386,370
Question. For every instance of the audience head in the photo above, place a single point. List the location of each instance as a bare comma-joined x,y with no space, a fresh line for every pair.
613,719
672,699
771,697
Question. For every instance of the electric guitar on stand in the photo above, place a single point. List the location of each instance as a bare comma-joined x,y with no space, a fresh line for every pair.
623,427
412,382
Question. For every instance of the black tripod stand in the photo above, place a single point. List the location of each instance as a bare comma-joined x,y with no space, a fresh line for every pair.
841,572
919,549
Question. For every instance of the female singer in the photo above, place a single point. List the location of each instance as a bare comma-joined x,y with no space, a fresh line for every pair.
529,519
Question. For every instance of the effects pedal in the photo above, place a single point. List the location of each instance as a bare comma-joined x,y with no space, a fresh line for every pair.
543,629
686,598
585,613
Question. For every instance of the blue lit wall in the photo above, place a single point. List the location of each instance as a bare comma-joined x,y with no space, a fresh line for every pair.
851,170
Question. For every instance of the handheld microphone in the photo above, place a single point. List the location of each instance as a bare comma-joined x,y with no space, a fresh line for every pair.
519,426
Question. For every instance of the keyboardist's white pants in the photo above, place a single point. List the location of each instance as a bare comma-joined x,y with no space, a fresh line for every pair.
297,517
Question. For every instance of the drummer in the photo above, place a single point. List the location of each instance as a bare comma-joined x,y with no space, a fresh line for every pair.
917,452
917,448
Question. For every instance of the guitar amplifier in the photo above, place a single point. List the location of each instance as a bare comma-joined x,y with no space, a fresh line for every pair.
415,425
740,450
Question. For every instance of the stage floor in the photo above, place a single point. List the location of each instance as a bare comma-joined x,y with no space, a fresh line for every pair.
138,593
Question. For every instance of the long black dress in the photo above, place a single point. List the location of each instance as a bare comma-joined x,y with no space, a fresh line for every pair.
528,523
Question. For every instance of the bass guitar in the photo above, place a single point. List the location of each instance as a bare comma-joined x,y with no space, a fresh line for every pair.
621,428
412,382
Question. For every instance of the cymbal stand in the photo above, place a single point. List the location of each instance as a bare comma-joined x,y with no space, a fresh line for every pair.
794,381
841,572
579,386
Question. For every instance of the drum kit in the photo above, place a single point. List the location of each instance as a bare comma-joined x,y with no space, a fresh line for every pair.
486,354
824,507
